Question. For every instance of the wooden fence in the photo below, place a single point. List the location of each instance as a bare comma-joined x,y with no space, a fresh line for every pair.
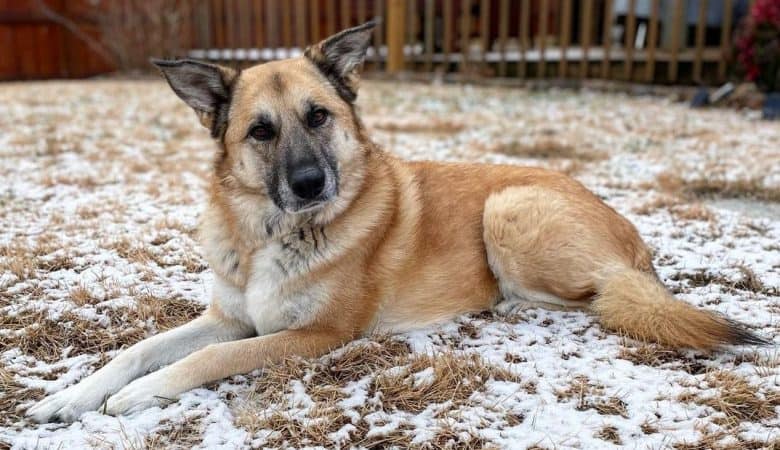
657,41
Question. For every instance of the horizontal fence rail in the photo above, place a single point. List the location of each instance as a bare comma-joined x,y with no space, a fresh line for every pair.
654,41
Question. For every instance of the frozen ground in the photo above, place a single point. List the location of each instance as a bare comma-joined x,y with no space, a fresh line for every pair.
102,184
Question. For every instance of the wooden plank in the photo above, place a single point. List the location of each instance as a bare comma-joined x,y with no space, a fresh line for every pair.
465,29
286,16
484,28
606,38
396,15
362,11
565,37
701,24
271,17
346,14
674,51
447,44
314,21
219,24
652,39
586,27
503,32
301,35
258,25
429,5
8,66
630,36
543,17
725,39
524,33
330,17
411,22
379,11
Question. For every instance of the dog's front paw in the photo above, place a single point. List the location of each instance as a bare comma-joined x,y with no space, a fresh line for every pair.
146,392
65,406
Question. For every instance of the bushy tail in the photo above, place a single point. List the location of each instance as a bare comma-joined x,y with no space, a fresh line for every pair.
637,304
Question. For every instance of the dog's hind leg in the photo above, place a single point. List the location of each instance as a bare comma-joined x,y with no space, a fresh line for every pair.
562,246
149,354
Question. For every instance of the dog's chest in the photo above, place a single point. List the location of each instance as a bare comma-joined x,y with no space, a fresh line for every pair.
274,298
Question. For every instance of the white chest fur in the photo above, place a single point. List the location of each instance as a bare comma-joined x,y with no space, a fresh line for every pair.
271,301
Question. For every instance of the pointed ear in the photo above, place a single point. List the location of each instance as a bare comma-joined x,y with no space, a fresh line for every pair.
204,87
341,56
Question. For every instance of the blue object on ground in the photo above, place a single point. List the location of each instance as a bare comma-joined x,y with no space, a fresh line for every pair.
771,109
700,99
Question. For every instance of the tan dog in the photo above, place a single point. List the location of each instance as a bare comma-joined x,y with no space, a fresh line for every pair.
316,237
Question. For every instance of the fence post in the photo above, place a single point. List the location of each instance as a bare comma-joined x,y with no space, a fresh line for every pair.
396,15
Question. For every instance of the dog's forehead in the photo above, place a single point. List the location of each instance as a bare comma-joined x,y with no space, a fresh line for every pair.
279,84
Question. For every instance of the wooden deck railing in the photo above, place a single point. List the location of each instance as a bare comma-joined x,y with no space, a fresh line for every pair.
655,41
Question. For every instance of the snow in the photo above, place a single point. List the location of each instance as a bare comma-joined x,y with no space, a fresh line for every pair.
87,164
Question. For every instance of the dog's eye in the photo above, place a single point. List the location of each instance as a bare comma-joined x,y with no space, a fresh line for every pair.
317,117
262,132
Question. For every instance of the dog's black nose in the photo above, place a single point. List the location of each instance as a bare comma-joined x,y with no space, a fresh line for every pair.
307,182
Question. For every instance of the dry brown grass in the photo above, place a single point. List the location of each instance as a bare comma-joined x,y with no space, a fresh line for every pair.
452,378
34,333
13,394
427,126
609,433
547,149
180,435
717,187
736,398
590,396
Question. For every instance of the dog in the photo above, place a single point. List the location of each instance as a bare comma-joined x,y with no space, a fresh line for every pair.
316,236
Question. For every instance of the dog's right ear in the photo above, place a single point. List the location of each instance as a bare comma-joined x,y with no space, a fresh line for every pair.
204,87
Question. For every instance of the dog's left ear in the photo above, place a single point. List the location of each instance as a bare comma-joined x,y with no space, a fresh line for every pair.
340,57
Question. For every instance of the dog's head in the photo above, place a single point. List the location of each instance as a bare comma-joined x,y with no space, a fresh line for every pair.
287,129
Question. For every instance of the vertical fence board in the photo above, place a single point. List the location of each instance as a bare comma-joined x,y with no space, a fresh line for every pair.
652,39
585,36
396,18
565,37
524,33
503,31
302,39
429,35
543,16
674,51
447,44
314,21
465,28
378,31
286,14
725,40
606,43
346,14
630,37
701,24
330,17
484,28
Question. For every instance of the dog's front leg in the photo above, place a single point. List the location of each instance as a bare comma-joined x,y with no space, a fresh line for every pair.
219,361
149,354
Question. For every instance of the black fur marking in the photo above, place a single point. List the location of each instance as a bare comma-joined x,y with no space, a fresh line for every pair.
281,267
314,238
301,235
222,108
740,335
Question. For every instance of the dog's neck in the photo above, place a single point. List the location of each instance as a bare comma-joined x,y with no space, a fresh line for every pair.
239,224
